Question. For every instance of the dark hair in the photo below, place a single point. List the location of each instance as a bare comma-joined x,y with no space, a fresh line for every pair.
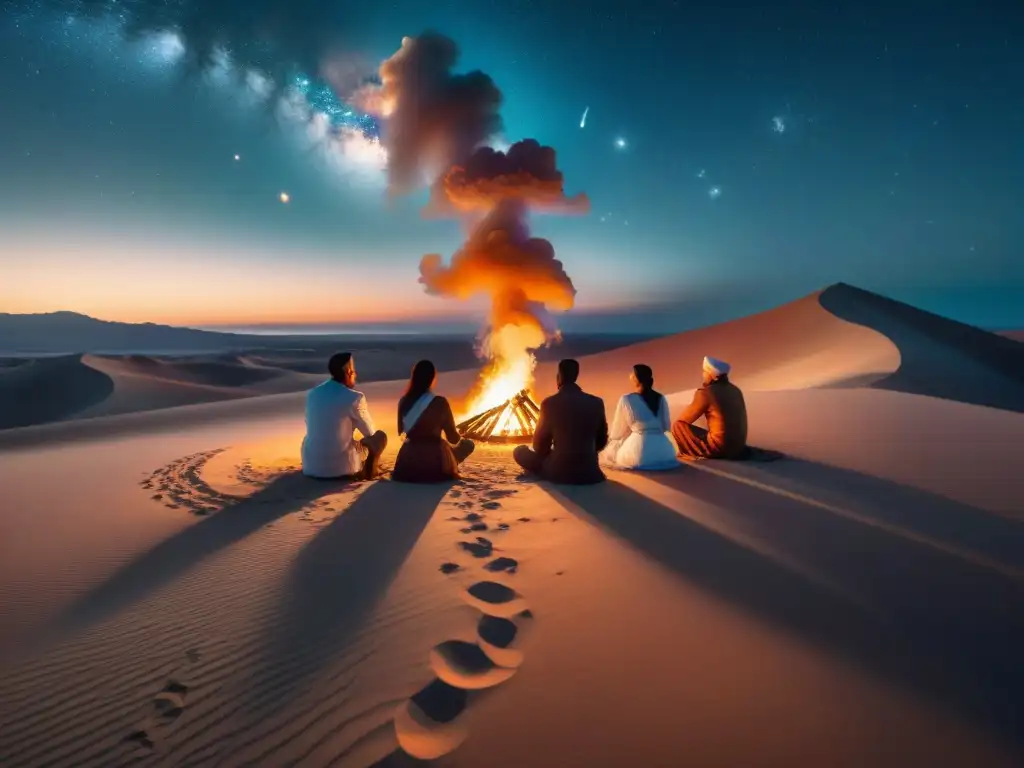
337,364
569,369
645,376
422,378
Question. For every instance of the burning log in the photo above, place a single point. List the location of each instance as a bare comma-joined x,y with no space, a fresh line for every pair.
514,421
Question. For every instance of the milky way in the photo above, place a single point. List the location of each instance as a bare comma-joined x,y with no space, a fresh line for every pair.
277,66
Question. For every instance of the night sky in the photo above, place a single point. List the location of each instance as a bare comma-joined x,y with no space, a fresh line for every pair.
735,159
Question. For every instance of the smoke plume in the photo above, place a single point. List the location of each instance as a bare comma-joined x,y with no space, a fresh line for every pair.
502,260
435,118
527,171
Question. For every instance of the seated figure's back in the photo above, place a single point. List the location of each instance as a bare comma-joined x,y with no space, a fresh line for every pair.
576,424
726,416
333,412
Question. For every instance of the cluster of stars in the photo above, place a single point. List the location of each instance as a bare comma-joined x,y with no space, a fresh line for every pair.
322,100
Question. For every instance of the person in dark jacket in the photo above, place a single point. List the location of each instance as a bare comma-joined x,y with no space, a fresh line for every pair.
572,430
433,449
721,403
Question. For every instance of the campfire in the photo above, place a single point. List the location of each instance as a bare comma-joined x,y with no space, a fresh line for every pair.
513,421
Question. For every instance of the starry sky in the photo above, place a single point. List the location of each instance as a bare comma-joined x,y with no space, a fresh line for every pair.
735,158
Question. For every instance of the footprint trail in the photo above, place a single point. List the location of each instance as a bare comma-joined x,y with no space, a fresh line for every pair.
430,724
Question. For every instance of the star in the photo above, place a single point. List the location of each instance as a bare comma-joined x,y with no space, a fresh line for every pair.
701,173
284,197
778,124
620,143
238,157
715,192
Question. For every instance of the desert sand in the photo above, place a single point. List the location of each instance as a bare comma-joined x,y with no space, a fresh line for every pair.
173,592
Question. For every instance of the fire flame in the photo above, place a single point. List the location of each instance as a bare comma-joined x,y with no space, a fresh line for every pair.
509,370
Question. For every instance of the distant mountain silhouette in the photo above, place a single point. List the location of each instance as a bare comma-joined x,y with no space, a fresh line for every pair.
72,333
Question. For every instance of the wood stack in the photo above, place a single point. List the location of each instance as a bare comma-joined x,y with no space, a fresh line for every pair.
519,412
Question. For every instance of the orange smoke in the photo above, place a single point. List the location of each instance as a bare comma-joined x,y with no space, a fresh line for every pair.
501,259
528,171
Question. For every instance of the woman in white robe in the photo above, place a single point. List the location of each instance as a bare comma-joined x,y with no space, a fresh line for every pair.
639,437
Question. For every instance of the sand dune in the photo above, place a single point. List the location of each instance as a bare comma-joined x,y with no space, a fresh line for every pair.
142,383
797,345
183,597
940,357
50,389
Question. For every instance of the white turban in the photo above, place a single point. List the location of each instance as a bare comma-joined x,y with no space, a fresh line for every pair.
716,367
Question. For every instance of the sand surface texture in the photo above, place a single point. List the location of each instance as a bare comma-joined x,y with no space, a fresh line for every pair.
173,592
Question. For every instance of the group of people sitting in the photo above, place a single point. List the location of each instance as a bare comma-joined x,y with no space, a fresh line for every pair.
571,443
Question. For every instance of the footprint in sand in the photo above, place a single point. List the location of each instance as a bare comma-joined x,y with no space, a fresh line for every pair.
170,702
168,705
494,599
447,568
480,548
491,505
142,738
427,725
498,639
499,564
466,665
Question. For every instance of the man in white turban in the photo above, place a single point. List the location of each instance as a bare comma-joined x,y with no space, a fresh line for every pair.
721,403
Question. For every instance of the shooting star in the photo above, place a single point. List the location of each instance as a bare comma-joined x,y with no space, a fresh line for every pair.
583,120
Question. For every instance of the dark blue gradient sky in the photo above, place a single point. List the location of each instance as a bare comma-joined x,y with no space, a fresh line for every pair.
899,167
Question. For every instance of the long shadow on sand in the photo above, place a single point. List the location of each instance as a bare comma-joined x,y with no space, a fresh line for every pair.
996,537
938,357
945,629
172,557
334,584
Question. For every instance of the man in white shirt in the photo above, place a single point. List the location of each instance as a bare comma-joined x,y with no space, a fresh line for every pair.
334,410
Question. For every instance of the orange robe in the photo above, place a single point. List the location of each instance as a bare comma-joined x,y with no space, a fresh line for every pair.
721,403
